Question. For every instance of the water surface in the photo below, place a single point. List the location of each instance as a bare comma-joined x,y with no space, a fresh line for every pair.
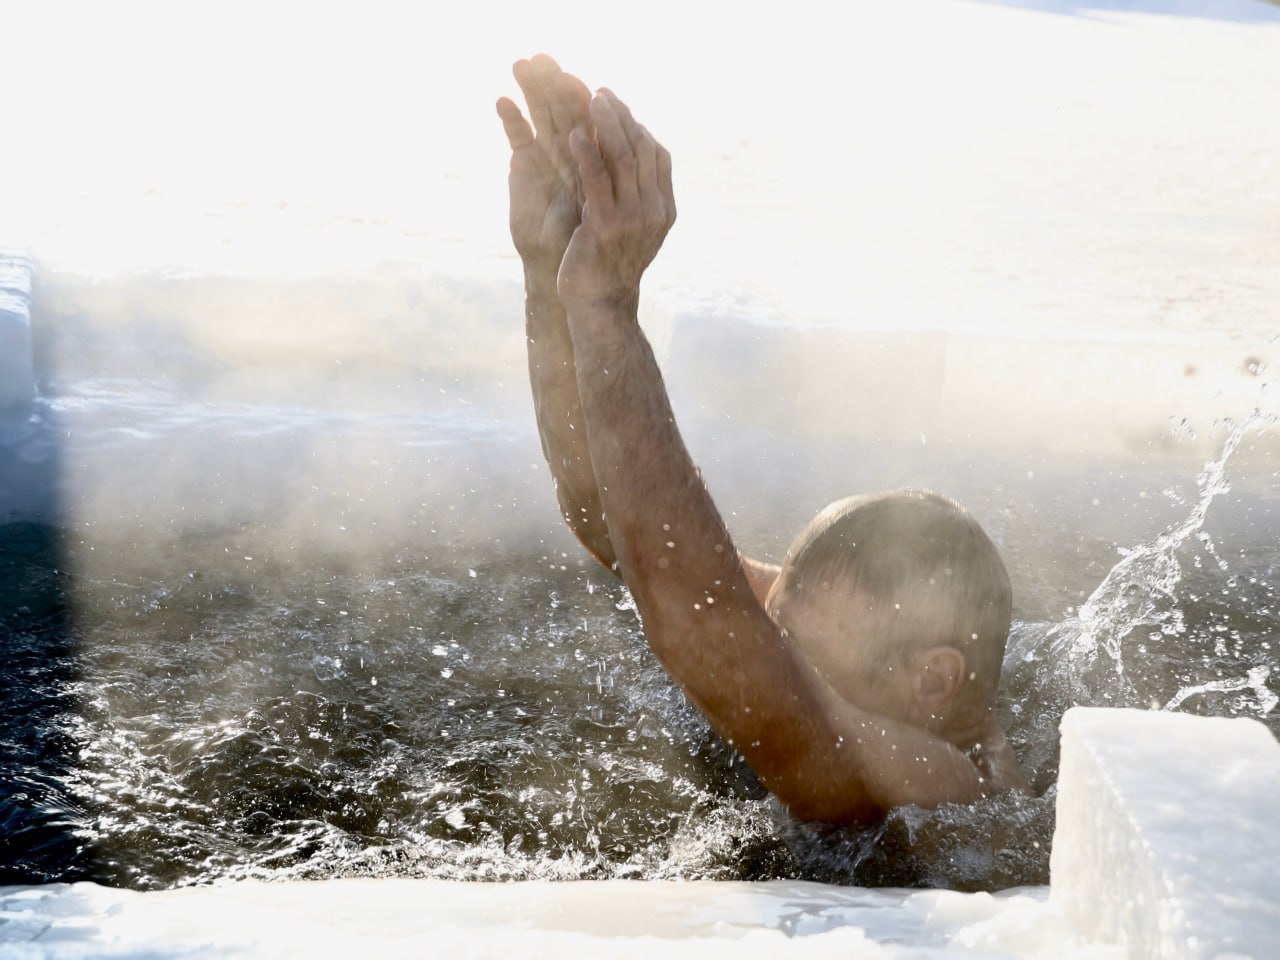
328,638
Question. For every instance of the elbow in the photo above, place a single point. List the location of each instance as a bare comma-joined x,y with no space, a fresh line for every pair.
822,806
594,535
597,544
819,791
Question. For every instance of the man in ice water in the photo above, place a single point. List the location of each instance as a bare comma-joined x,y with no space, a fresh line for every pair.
858,676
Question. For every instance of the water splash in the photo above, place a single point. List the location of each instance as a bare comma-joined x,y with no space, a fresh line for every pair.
1254,681
1140,590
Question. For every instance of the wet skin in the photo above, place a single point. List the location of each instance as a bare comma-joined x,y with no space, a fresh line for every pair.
779,677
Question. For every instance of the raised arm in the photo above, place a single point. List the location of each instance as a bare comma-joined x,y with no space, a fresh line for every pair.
825,758
545,209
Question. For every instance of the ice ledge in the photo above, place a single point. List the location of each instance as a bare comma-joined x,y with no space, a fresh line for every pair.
28,454
412,918
1168,833
17,379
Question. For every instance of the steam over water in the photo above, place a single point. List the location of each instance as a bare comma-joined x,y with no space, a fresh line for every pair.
323,621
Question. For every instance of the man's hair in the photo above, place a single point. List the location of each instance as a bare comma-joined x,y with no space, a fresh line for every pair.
919,572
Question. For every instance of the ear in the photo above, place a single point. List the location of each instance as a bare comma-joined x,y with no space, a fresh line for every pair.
938,672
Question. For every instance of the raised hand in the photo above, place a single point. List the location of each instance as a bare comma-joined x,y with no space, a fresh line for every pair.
629,205
546,201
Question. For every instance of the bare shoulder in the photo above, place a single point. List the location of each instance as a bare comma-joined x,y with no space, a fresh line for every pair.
760,575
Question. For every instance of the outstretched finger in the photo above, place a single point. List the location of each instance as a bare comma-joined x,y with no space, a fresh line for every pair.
572,102
539,108
575,97
616,150
597,187
625,119
519,133
544,65
548,72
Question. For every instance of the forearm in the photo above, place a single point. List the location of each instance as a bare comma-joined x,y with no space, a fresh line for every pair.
553,378
672,547
700,613
826,758
558,408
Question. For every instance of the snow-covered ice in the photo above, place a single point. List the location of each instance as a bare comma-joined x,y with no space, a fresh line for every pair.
17,381
1168,833
415,918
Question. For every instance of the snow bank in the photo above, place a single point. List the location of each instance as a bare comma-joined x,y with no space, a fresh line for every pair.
616,918
1168,834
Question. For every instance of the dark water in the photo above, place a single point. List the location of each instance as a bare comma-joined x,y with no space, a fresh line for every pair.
215,719
277,640
194,713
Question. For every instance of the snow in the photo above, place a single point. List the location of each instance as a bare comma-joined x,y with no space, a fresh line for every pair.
1021,192
937,163
1168,835
414,918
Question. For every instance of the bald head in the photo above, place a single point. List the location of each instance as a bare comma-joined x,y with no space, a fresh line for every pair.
889,574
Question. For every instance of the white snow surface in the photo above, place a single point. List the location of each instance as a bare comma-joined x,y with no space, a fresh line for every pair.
1168,834
1098,169
616,918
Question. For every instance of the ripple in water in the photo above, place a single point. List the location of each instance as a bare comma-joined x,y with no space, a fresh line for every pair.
189,712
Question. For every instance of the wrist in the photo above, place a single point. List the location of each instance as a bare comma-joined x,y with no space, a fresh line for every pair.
624,300
540,279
